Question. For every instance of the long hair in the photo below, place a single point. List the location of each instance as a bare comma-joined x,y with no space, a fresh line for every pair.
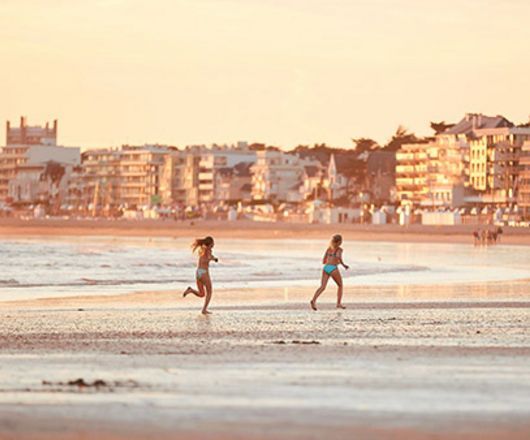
201,242
336,241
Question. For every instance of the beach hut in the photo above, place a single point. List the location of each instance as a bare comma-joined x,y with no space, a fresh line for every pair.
232,214
379,217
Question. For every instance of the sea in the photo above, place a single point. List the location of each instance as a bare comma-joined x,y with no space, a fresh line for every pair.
43,267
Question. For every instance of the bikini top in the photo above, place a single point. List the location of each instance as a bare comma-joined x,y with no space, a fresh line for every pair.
332,254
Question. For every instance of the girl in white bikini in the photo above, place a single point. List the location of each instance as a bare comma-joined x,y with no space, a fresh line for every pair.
202,275
332,259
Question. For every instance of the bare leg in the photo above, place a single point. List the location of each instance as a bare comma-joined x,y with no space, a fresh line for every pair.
192,291
199,292
323,284
208,285
337,277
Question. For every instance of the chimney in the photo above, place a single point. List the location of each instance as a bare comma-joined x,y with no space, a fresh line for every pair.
479,120
55,127
475,121
22,139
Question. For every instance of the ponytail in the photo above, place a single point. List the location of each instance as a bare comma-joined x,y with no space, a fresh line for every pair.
201,242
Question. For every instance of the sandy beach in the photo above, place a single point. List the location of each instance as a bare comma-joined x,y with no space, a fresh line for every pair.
248,229
401,367
436,359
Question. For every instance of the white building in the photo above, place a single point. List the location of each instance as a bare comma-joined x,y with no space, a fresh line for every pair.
336,183
278,176
30,181
30,146
214,159
319,212
437,173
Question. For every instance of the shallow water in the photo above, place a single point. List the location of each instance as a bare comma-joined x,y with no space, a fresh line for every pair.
44,267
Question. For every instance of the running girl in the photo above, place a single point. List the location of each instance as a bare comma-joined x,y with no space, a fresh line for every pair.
332,259
202,276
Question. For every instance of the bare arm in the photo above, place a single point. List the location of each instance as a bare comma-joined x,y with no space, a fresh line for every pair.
325,257
211,257
340,260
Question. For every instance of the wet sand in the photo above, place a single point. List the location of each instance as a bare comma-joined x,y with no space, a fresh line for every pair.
248,229
421,362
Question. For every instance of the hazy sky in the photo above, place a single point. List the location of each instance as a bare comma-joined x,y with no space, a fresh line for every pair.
284,72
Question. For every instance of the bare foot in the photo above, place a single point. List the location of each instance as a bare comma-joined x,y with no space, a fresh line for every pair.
340,306
186,292
206,312
313,305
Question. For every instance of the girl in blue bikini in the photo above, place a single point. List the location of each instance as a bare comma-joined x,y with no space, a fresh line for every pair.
332,259
202,276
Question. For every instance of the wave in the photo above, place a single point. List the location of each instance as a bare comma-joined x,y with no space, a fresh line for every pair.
9,283
83,282
220,276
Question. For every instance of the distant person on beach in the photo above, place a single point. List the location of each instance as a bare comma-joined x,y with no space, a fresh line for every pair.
332,259
499,233
202,275
476,237
494,236
484,237
490,237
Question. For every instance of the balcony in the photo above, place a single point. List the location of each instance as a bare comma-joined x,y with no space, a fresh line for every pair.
206,175
402,169
405,157
132,184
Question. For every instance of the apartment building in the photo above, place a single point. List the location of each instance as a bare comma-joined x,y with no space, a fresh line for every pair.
173,178
217,158
94,185
140,172
31,135
523,197
233,184
40,183
437,173
126,178
411,173
26,151
494,162
277,176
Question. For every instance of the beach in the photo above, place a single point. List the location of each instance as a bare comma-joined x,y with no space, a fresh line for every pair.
406,369
438,349
249,229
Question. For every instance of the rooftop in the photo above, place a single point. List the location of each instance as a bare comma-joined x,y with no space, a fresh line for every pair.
477,121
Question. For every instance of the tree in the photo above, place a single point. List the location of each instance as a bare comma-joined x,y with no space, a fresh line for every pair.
364,144
400,137
54,172
440,127
320,152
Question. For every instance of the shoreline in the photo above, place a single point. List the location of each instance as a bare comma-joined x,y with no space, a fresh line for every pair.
248,229
482,294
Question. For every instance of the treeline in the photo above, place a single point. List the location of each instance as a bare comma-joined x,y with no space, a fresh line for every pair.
352,161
